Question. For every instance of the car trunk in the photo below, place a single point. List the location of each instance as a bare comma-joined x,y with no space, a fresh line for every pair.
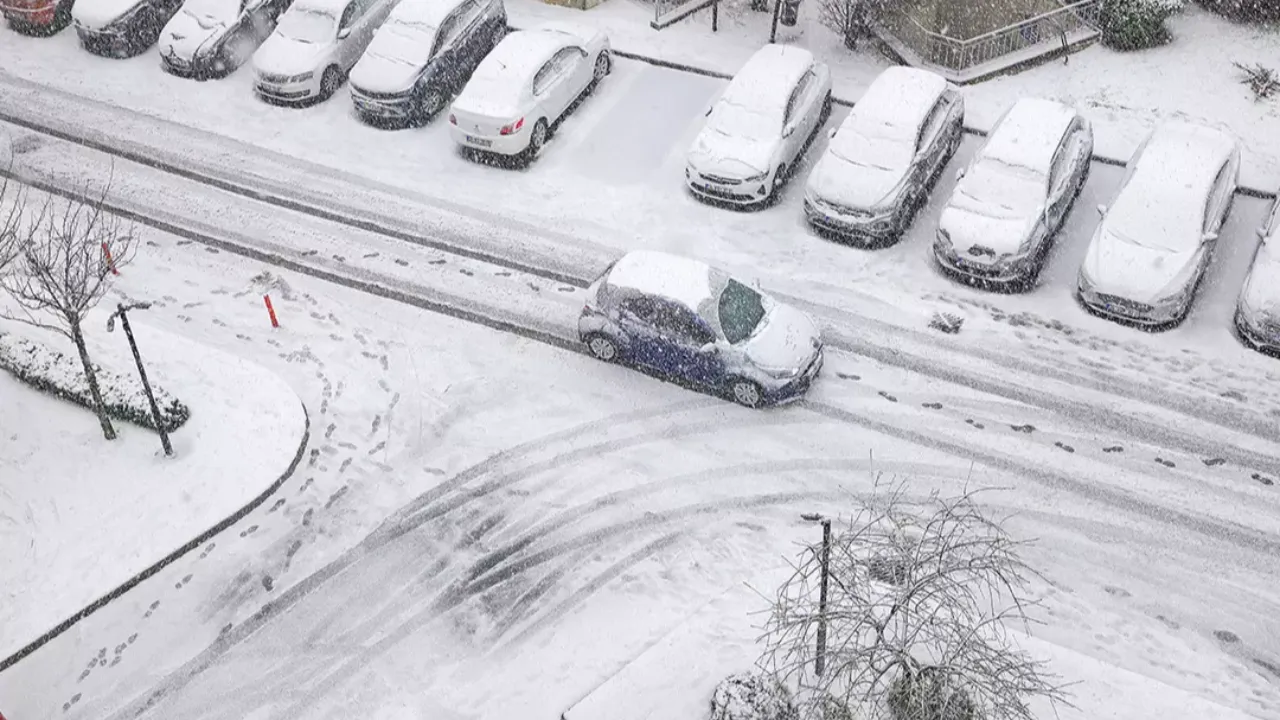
481,124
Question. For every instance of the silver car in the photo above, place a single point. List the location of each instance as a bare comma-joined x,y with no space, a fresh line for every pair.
691,322
1258,310
1153,245
1011,201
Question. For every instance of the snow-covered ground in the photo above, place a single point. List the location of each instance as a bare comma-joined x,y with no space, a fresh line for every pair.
71,503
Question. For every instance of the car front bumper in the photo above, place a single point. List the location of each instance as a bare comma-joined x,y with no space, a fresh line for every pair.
831,219
727,190
794,389
997,273
1256,337
1118,308
107,41
512,144
383,107
287,91
193,67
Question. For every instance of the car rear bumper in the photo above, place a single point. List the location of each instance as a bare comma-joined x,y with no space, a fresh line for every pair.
513,144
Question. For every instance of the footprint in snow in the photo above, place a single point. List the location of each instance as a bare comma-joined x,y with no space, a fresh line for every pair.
249,531
503,273
971,421
888,397
848,376
366,256
1116,591
1028,429
339,258
1226,636
1263,479
207,549
1214,462
212,250
276,505
932,405
402,263
1061,446
1113,449
1166,463
437,261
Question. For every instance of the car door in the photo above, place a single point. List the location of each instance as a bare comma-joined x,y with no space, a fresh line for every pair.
636,320
793,123
683,335
932,136
444,68
347,40
1062,174
577,75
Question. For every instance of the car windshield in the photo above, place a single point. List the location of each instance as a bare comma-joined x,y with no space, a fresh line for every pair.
879,152
404,41
307,25
738,121
741,309
210,12
1004,191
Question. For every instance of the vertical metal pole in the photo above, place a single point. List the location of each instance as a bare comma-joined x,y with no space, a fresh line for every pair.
146,384
820,661
773,34
715,15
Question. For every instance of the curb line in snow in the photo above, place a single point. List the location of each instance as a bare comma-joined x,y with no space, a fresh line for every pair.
682,67
171,557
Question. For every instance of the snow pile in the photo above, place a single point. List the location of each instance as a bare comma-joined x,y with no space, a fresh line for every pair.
62,376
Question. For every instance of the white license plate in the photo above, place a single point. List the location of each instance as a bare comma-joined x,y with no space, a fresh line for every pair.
480,142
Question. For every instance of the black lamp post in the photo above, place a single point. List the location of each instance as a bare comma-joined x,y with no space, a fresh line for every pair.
820,659
121,310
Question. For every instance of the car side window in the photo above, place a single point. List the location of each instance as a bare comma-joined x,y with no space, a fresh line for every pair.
678,323
642,309
797,94
1216,197
542,81
448,32
931,122
1274,223
349,15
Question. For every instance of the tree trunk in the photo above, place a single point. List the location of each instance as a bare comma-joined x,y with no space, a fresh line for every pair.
99,407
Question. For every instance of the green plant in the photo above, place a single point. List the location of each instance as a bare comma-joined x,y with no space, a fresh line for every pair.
926,694
1135,24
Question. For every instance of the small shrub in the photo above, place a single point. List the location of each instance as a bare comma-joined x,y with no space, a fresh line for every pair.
928,695
752,697
946,322
1135,24
1262,80
62,376
830,707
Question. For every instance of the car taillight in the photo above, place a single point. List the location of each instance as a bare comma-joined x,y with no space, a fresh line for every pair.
512,128
453,119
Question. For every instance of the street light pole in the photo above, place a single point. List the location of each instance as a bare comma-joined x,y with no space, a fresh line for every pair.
121,311
773,33
820,658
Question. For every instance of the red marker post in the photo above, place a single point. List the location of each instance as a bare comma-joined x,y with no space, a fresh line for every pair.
271,311
110,262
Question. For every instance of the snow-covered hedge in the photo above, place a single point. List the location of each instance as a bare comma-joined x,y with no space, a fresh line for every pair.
1136,24
752,697
62,375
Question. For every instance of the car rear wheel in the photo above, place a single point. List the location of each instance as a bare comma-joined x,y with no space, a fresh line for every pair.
602,348
537,138
330,81
746,393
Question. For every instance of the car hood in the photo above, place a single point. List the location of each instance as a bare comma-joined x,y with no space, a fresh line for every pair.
843,183
720,154
788,339
967,229
1261,294
1118,267
281,55
379,74
97,14
185,34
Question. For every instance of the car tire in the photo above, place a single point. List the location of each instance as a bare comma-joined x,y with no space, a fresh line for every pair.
330,81
779,179
602,347
537,138
429,103
826,109
746,393
604,65
61,17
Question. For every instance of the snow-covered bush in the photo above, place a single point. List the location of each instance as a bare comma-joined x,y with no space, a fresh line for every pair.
752,697
926,695
50,371
829,707
1136,24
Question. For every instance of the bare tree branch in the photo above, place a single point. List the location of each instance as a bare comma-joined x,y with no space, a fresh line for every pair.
919,601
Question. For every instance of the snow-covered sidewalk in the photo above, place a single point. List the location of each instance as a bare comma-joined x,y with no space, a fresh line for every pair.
80,516
1124,94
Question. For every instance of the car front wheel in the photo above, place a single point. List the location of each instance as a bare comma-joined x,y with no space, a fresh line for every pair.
602,348
746,393
602,66
330,81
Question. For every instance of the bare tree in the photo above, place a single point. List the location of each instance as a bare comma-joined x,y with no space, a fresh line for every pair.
847,18
918,602
12,200
66,254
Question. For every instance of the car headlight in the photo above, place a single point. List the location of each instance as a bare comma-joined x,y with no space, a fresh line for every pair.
1174,298
781,373
758,177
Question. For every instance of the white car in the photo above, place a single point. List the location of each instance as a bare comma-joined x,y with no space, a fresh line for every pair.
885,156
314,46
758,129
1015,194
1258,310
525,85
1154,243
210,38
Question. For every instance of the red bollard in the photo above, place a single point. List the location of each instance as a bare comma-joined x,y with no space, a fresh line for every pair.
271,311
111,264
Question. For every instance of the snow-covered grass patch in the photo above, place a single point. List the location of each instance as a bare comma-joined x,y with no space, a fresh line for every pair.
62,376
80,515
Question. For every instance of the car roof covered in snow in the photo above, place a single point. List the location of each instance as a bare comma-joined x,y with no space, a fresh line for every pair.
331,7
521,54
898,100
650,272
767,78
1029,133
427,12
1171,179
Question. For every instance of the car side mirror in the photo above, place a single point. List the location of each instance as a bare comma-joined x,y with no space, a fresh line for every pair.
1102,209
708,112
832,133
708,349
1209,237
344,33
960,174
1262,233
788,130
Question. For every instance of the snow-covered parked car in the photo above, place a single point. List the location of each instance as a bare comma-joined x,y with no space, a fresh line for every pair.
121,28
314,46
423,55
1015,194
525,85
1258,311
885,156
690,321
1154,243
759,128
211,38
